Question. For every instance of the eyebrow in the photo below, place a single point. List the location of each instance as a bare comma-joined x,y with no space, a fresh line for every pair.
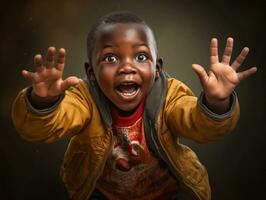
141,44
115,46
109,46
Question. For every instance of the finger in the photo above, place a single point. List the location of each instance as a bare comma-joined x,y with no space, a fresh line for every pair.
246,73
228,51
50,57
61,59
239,60
214,58
38,63
200,71
28,74
70,81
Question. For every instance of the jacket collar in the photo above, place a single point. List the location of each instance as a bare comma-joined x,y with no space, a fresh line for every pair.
156,97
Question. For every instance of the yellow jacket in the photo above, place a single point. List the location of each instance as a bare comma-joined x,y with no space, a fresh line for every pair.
171,112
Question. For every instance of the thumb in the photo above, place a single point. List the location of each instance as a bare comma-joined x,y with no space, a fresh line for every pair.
70,81
200,71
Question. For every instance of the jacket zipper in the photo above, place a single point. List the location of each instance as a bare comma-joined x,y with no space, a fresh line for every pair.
169,162
154,142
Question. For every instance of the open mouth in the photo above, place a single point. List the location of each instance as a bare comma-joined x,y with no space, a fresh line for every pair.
127,89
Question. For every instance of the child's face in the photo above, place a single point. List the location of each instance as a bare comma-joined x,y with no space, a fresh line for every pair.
124,63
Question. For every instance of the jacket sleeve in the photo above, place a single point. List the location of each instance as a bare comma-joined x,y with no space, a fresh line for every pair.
188,116
67,117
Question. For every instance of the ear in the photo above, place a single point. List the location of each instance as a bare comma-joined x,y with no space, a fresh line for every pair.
89,71
159,66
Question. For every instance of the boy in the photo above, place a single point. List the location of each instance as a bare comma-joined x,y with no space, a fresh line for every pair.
127,117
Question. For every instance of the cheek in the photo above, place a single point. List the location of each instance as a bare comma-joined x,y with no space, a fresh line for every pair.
148,73
105,77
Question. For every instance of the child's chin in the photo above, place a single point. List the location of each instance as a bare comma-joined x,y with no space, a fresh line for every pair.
128,108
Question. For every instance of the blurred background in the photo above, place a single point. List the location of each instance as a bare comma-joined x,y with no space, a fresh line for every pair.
236,163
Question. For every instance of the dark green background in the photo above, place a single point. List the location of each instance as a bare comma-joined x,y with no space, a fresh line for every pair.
236,163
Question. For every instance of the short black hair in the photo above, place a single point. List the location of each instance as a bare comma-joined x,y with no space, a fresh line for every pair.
113,18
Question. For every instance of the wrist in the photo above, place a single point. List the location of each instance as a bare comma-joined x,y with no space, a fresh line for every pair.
42,102
219,106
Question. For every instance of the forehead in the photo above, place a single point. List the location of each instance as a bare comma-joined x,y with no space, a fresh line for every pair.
132,32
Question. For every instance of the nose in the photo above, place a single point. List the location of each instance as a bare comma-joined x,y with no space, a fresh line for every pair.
127,67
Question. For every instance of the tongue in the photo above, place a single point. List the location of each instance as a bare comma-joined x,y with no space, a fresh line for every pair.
126,88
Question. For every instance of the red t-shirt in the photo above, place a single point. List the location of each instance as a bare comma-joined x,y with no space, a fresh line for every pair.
131,171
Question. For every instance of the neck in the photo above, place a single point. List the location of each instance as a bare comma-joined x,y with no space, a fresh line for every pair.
123,118
124,113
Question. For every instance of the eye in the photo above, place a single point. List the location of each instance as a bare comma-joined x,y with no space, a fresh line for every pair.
110,58
141,57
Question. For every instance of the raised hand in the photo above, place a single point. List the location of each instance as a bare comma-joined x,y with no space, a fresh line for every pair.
222,78
47,80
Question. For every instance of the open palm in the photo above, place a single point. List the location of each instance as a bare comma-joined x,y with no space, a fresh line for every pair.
47,80
222,78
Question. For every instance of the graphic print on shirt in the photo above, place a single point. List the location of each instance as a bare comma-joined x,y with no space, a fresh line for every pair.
127,148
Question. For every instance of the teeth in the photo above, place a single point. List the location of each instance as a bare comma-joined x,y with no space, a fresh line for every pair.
128,94
127,83
127,89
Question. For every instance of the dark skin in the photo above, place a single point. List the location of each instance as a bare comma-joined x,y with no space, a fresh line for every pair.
124,63
125,66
